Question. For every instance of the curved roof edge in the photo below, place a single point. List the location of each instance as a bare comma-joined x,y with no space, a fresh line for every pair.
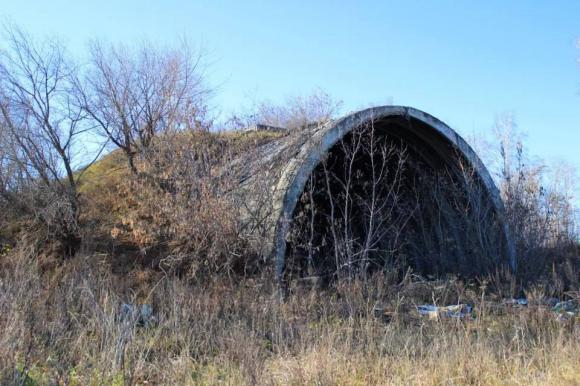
298,170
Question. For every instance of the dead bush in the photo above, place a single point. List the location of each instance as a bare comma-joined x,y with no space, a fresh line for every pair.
298,111
539,202
184,215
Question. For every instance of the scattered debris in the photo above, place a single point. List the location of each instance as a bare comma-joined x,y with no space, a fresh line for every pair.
429,310
458,311
564,310
142,316
567,309
516,302
550,302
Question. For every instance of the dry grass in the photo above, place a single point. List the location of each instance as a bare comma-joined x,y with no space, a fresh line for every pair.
67,329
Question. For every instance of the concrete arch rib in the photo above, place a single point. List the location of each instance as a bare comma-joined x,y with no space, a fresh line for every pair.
297,172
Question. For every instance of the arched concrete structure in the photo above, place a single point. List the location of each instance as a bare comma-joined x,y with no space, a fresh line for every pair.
433,134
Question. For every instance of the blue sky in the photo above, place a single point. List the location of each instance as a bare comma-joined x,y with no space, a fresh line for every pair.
457,60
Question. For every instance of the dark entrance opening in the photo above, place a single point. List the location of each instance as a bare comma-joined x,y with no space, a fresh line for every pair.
387,197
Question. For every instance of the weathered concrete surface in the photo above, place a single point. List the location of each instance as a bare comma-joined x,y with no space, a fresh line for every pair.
283,166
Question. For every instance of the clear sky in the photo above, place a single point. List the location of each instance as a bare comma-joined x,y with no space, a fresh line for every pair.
457,60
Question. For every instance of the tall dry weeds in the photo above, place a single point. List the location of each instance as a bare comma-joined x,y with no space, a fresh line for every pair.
69,328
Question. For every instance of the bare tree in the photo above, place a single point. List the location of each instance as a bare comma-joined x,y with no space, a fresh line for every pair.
351,214
135,94
39,128
539,201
